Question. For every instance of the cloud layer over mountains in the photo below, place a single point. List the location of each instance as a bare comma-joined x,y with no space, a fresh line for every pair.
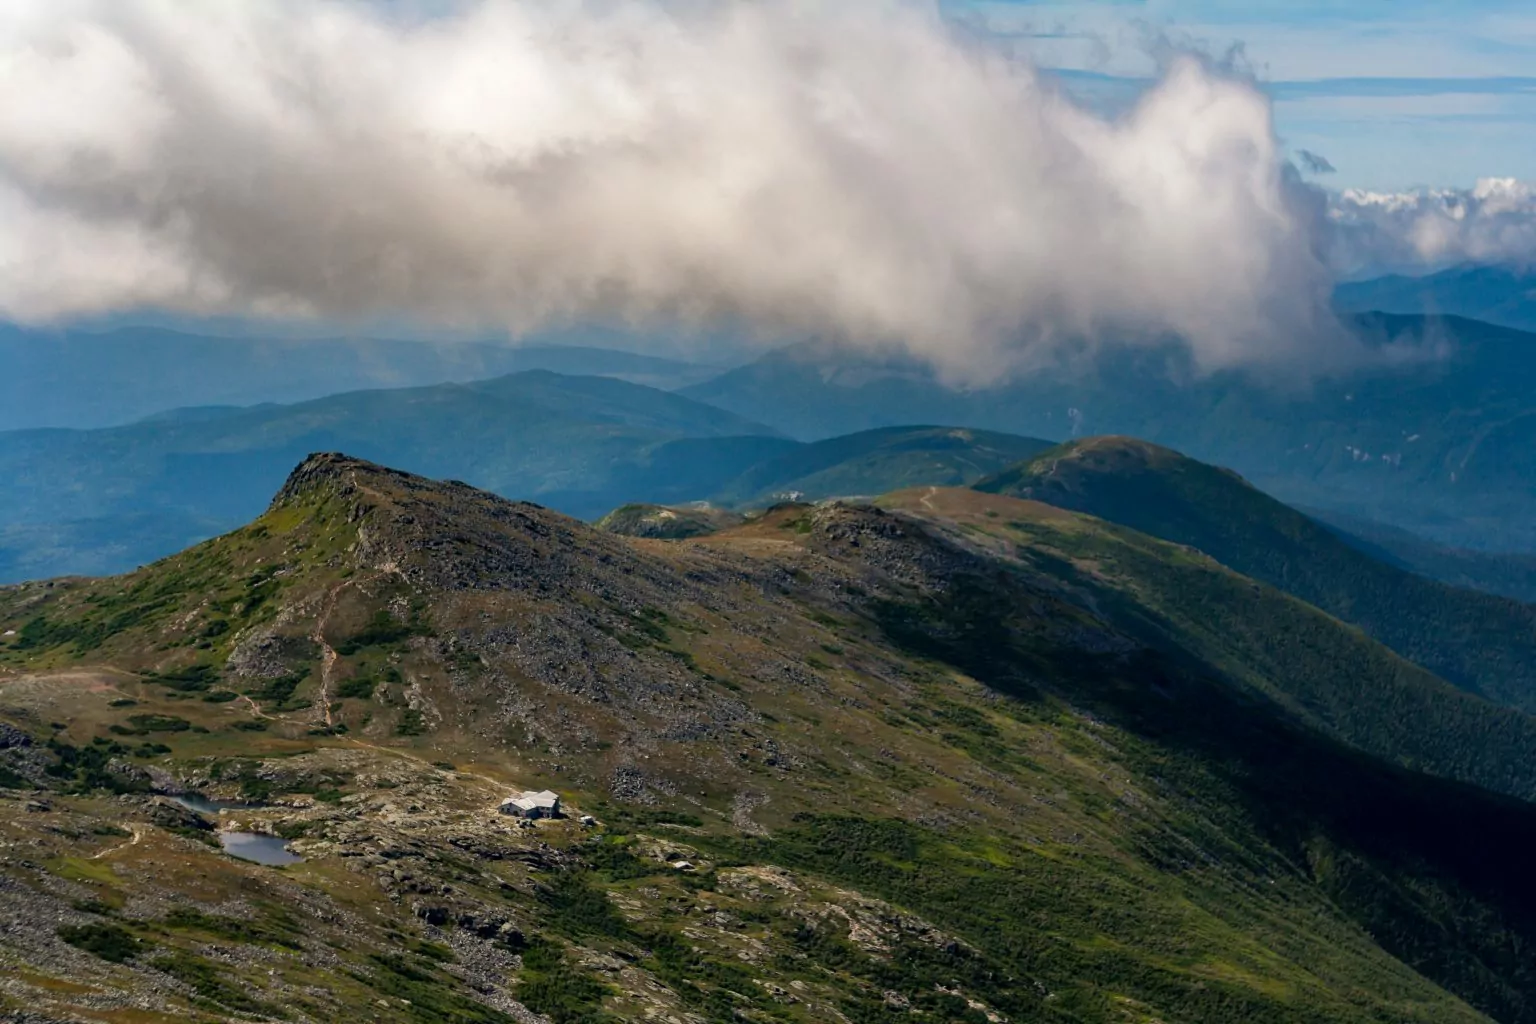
1494,222
854,170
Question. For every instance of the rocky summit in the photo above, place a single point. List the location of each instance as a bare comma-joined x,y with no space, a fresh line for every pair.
945,756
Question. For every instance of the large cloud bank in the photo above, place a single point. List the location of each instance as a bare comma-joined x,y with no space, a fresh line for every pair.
853,170
1494,222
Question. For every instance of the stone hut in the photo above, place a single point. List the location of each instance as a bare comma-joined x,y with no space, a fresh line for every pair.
541,804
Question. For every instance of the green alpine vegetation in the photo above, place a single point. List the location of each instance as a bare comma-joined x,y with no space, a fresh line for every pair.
660,521
1481,642
945,757
874,462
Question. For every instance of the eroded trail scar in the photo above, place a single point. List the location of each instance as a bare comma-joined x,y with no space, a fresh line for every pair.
138,833
327,652
255,708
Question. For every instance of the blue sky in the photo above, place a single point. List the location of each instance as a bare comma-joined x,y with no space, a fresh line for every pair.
1394,93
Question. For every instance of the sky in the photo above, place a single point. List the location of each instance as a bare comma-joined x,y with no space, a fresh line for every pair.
1395,95
984,184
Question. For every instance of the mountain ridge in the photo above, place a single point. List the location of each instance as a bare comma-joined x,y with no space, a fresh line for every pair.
528,434
944,722
1480,641
1432,438
90,379
874,461
1493,294
127,495
957,718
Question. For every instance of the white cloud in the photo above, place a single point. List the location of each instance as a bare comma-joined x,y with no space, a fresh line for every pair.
1494,222
854,171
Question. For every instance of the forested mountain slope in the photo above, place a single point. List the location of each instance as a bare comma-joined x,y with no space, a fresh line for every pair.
1479,641
1497,572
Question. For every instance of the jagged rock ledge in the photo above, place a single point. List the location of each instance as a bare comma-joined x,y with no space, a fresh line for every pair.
329,473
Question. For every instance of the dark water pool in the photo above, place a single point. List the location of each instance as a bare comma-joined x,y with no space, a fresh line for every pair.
203,805
259,848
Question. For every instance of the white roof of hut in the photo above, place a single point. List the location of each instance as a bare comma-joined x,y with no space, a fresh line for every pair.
543,800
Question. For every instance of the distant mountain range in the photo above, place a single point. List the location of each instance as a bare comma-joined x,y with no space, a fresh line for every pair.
1504,573
84,379
114,374
575,442
1505,296
98,501
1442,442
1437,439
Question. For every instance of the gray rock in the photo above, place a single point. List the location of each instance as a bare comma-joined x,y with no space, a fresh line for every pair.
271,656
13,738
170,814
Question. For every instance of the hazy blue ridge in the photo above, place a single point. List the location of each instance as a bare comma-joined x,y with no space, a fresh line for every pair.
1497,295
83,379
1436,435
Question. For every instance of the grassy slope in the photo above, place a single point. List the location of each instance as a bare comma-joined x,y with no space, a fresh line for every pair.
876,461
1479,641
970,704
1261,639
658,521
